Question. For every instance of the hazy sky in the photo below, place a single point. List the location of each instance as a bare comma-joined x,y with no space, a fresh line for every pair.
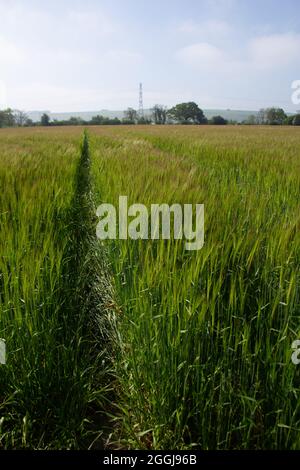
80,55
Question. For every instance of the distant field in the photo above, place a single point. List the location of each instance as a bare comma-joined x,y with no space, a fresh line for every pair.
140,343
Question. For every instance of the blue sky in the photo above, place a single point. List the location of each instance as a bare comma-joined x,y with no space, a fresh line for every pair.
89,55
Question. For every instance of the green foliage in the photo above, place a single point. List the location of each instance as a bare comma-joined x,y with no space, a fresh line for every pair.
271,116
218,120
45,120
296,120
101,120
159,114
127,122
289,120
143,121
186,113
7,118
131,115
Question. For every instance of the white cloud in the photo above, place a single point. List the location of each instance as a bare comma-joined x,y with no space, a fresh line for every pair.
217,5
210,27
201,54
11,53
41,27
94,21
21,23
276,50
260,53
122,57
188,27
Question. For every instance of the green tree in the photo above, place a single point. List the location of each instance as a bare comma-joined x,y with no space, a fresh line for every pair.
127,122
218,120
29,123
187,113
7,118
131,115
45,120
97,120
251,120
273,116
296,120
289,120
143,120
261,116
159,114
20,118
75,121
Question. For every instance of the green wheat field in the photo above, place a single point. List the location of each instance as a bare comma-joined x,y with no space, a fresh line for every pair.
140,344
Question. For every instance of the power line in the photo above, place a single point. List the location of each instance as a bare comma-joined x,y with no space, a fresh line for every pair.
141,106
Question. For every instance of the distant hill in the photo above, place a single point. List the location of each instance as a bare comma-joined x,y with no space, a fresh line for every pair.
230,114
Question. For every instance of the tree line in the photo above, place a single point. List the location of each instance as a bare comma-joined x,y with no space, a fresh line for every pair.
273,117
182,113
14,118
